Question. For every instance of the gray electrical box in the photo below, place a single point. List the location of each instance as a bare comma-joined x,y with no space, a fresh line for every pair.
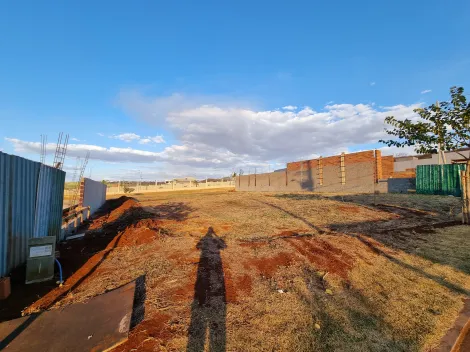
41,257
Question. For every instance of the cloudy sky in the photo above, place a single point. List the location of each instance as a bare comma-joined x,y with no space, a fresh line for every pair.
167,90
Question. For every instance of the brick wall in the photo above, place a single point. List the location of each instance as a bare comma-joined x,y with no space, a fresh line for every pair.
387,166
408,173
362,172
335,160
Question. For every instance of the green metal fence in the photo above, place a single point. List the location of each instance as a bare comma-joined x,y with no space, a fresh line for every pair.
439,179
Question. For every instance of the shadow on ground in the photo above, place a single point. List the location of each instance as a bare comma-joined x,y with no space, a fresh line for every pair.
208,310
415,232
359,325
415,229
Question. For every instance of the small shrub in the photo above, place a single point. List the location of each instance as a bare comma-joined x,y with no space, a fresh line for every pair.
128,189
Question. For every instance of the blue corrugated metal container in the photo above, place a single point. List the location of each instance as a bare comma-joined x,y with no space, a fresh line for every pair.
43,201
24,178
4,210
27,208
57,203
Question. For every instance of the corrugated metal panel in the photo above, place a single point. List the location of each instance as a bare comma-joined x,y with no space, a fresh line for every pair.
30,206
4,210
439,179
43,201
24,175
57,200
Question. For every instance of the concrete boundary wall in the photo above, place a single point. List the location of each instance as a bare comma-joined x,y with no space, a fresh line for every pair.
171,187
92,194
361,172
359,178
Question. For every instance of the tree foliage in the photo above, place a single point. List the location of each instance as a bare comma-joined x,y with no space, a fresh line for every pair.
441,126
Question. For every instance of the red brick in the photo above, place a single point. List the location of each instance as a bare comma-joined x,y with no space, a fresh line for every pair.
387,166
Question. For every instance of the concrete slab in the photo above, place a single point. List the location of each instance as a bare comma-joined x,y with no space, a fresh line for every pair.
96,325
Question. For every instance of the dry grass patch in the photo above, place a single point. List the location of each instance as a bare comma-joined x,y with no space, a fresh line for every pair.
291,280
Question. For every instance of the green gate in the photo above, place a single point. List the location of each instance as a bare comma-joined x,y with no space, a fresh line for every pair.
439,179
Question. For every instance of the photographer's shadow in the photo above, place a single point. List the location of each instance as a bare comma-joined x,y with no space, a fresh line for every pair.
208,310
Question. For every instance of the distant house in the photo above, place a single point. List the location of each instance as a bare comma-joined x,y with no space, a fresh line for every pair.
403,163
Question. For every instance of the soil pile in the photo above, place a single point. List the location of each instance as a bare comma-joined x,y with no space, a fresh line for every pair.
143,231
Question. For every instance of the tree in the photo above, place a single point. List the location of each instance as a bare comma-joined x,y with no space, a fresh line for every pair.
442,127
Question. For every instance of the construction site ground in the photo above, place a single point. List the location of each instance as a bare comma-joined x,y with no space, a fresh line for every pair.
273,271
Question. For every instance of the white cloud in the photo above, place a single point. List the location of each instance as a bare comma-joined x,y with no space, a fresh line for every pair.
290,107
426,91
148,140
226,137
126,137
130,137
262,135
190,155
100,134
75,139
372,84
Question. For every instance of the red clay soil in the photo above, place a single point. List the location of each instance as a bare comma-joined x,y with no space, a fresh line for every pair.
236,288
138,228
144,231
184,293
324,256
268,266
117,213
111,211
320,253
231,295
244,283
289,233
149,335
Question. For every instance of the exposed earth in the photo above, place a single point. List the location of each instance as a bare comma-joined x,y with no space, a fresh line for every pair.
265,272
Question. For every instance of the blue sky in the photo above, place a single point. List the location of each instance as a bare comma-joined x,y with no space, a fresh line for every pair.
208,80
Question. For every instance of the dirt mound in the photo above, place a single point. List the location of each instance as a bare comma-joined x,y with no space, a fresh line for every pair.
111,211
143,231
128,217
116,214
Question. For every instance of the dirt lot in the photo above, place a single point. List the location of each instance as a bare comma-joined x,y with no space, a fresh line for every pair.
277,272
